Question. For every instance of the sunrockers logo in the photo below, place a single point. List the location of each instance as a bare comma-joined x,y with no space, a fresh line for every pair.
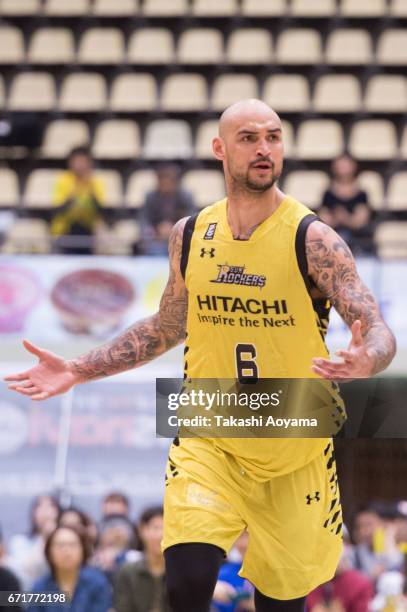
236,275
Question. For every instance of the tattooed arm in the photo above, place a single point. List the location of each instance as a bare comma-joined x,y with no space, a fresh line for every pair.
139,344
332,268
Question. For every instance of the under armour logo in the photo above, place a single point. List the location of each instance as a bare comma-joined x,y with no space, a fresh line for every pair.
315,498
210,252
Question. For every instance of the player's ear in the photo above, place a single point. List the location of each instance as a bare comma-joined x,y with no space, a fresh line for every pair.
218,148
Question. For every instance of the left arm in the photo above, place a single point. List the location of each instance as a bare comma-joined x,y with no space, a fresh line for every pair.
332,268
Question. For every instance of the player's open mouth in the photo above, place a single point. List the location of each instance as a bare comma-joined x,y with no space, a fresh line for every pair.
263,166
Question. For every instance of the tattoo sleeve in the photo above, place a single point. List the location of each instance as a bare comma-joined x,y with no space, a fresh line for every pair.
149,337
332,268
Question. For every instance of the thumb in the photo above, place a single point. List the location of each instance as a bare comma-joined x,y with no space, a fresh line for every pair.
356,328
33,349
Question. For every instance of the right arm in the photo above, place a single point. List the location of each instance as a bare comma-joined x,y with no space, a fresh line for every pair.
136,346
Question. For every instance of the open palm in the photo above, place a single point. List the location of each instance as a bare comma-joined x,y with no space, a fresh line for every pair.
52,375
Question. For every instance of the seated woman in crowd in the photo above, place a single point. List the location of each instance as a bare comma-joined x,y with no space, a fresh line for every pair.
87,588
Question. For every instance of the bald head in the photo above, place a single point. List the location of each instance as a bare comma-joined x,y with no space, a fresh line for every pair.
239,113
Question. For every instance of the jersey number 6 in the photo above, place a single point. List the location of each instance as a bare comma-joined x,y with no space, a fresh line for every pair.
247,371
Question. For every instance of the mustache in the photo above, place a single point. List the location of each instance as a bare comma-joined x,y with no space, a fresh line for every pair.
260,160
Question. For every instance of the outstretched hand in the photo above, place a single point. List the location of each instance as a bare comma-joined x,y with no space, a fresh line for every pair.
356,362
52,375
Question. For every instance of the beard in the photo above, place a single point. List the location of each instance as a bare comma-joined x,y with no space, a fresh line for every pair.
261,185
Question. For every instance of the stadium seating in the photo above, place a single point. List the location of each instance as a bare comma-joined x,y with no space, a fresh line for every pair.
39,188
114,187
363,8
184,92
168,138
101,46
287,92
299,46
373,139
139,184
133,93
12,45
249,46
200,46
164,8
62,135
319,139
214,7
398,8
313,8
386,93
391,48
337,93
66,8
228,88
151,46
207,186
403,146
9,192
207,130
116,139
397,192
28,236
121,8
83,92
349,46
177,64
51,46
372,183
263,8
32,91
19,7
390,238
307,185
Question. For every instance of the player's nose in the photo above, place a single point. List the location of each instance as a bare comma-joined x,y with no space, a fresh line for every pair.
263,148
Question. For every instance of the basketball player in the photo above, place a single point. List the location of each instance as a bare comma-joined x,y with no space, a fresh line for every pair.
261,254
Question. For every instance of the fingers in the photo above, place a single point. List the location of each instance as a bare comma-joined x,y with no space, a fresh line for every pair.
41,396
15,377
356,328
33,349
331,369
30,391
323,374
23,383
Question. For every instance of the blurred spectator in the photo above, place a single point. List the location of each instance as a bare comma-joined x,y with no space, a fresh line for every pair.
115,503
82,522
390,596
375,534
78,199
233,593
162,208
8,581
345,206
349,590
26,552
139,586
115,543
87,587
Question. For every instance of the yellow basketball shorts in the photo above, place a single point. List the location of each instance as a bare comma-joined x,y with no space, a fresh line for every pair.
294,521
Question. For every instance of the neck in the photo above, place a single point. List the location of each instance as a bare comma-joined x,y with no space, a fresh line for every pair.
155,563
246,210
67,579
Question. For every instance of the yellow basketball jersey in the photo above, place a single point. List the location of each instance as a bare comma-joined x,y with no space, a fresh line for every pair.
250,313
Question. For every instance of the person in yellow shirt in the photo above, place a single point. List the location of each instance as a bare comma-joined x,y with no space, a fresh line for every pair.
263,253
78,200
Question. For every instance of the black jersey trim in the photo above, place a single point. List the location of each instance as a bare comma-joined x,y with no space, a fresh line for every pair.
186,242
300,248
